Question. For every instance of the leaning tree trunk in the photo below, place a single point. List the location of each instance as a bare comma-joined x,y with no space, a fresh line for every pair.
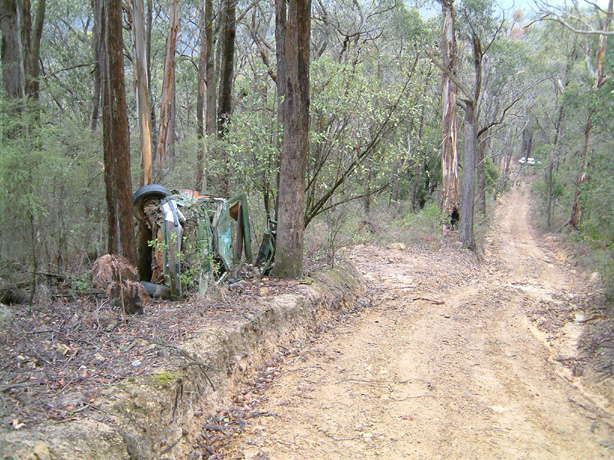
295,146
116,133
449,153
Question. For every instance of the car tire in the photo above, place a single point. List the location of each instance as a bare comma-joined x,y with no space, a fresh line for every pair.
146,194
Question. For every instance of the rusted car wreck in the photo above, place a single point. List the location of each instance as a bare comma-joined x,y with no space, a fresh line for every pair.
188,240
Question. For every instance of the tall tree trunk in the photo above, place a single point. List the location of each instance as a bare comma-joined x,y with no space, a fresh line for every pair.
481,173
527,144
227,64
97,9
200,182
13,78
226,83
207,70
576,210
211,113
116,133
168,84
148,29
142,88
465,234
449,152
295,147
282,79
32,46
144,110
550,180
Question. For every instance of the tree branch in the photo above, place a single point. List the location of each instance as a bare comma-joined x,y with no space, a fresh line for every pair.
449,74
550,16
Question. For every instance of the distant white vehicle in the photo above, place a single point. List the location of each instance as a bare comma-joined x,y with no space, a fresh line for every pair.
530,161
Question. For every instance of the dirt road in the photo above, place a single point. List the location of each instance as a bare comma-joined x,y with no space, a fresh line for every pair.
453,359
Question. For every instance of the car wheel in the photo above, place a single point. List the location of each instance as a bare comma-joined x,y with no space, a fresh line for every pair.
146,194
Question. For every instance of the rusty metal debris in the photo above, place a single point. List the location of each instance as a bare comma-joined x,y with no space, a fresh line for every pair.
188,240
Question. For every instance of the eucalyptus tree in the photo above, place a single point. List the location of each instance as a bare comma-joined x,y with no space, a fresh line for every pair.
116,133
450,197
480,23
295,147
142,88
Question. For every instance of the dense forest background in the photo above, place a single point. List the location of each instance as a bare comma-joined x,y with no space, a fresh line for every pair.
545,91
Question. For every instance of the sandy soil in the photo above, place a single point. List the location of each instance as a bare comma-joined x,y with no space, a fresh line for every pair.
454,358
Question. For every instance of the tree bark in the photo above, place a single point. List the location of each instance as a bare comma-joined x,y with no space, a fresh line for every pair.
168,85
481,174
527,144
449,152
13,78
226,83
211,112
148,29
97,9
116,133
142,88
227,64
465,234
32,46
280,81
200,104
295,146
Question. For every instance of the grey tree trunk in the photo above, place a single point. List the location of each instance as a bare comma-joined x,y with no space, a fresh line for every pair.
465,234
481,174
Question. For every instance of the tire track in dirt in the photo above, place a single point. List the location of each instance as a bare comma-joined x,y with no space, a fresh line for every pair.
445,364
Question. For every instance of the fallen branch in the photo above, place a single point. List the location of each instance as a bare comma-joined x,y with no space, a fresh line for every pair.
5,388
436,302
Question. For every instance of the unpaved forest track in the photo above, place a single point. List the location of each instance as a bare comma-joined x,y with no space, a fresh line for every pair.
453,359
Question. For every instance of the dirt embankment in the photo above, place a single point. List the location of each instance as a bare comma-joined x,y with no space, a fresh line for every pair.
455,359
169,388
